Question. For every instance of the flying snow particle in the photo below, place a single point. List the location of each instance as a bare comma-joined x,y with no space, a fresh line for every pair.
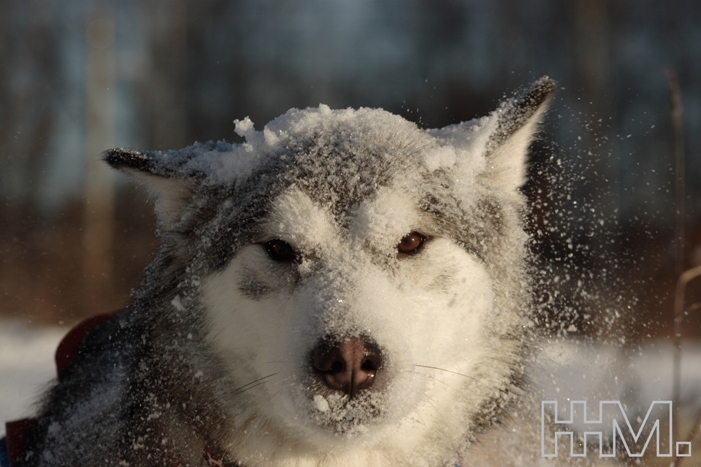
322,404
177,304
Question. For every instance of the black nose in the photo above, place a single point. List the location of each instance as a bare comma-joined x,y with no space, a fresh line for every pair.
349,365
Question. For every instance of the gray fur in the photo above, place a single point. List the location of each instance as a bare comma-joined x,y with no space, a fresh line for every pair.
147,388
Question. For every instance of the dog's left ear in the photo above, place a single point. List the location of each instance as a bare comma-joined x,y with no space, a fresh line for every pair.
173,190
497,145
517,121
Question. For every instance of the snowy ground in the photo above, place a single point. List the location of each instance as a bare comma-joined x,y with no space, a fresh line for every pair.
585,371
26,366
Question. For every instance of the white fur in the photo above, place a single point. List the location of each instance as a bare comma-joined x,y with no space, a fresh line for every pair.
507,164
426,310
224,351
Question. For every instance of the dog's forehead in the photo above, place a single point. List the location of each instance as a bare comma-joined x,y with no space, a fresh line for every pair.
346,158
297,218
357,169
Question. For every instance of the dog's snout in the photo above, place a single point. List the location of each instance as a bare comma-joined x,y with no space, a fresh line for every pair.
349,365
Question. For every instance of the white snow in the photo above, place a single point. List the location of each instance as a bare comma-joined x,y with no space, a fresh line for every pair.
177,304
26,367
223,162
577,369
321,403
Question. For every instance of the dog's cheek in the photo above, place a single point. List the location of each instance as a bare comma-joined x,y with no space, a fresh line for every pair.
456,294
238,309
447,333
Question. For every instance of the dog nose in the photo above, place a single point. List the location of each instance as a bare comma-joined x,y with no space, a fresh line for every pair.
348,366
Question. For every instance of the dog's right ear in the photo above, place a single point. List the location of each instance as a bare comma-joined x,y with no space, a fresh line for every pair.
171,189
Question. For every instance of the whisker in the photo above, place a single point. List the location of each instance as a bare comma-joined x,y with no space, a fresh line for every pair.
253,384
455,373
280,390
238,393
430,400
234,355
432,377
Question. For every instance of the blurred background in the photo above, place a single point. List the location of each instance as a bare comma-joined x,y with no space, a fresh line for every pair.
79,77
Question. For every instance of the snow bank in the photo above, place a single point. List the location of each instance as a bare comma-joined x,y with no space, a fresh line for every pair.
575,369
26,367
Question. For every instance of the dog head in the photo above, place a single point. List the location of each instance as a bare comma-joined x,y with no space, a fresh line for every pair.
359,282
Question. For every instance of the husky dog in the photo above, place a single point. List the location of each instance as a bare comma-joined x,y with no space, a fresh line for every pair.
341,289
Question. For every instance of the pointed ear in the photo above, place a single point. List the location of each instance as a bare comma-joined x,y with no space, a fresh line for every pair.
172,191
517,121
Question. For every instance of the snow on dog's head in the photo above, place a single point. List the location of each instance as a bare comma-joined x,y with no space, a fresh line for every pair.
357,282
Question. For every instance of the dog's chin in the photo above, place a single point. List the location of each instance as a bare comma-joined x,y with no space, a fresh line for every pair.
336,413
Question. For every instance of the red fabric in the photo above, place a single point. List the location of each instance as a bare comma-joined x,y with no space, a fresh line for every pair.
16,433
71,342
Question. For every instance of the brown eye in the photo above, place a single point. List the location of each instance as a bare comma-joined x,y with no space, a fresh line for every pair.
411,244
280,251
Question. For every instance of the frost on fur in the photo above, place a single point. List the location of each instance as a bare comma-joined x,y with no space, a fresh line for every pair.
343,288
503,137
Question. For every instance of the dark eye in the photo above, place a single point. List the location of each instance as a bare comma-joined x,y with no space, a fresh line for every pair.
411,244
280,251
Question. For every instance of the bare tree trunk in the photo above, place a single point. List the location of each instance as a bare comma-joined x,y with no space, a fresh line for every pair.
99,135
